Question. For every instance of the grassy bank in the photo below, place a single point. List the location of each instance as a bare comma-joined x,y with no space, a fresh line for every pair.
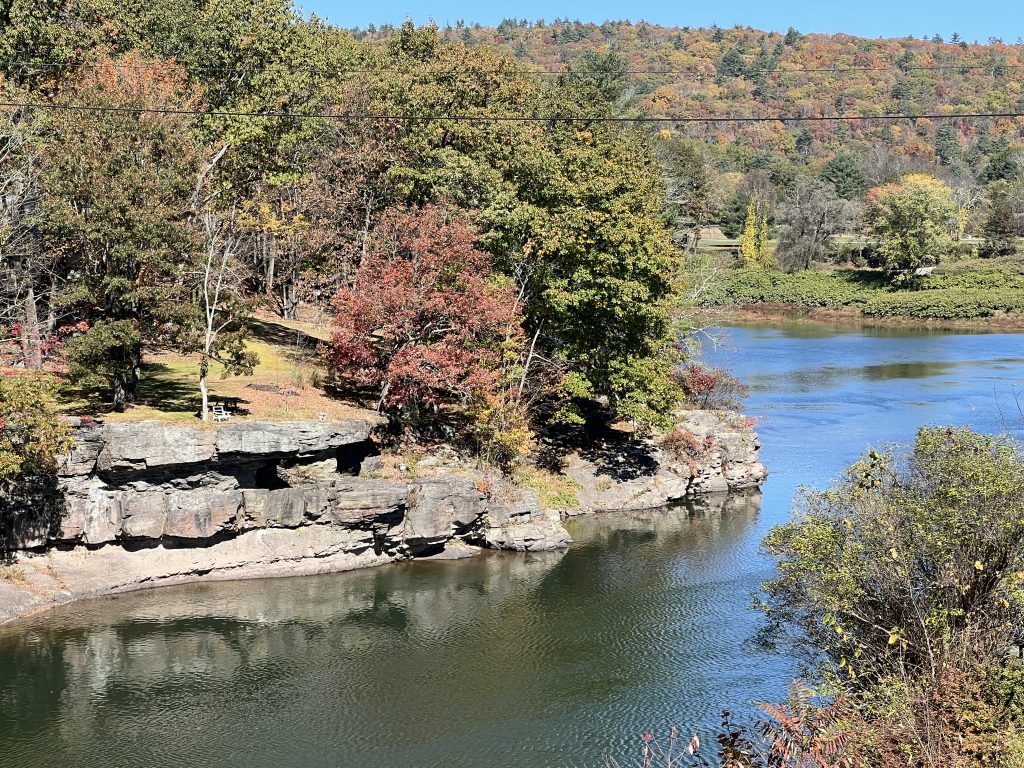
978,288
285,386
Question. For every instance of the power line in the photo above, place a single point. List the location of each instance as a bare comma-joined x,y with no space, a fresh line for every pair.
26,64
377,117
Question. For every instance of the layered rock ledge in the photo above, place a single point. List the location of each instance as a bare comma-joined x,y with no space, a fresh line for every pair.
623,475
145,504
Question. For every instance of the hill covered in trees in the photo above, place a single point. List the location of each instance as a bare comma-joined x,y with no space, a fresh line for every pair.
686,73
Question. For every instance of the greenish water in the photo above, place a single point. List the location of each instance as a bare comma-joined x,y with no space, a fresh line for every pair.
504,660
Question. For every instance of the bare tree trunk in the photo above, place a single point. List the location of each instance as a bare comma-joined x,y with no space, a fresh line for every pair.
31,335
204,369
51,307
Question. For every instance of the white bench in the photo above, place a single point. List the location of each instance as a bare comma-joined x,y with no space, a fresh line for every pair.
219,414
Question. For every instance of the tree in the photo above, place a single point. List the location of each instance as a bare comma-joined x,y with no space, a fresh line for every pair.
903,582
1002,223
22,266
845,174
112,209
947,144
424,324
222,302
688,189
732,64
573,213
810,217
912,221
754,239
604,75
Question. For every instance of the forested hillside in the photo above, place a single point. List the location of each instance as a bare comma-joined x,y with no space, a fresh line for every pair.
687,74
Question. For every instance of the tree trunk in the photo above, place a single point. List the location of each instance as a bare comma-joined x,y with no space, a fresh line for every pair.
120,392
204,369
132,377
51,308
33,349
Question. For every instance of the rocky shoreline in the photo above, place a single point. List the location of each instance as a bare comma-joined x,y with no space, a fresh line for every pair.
146,504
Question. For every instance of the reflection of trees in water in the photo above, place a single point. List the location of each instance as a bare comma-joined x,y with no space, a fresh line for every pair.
454,651
222,633
716,516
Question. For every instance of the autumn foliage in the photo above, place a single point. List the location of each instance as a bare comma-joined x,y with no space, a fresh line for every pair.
424,323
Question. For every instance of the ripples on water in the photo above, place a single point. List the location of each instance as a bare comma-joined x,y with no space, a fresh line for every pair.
505,660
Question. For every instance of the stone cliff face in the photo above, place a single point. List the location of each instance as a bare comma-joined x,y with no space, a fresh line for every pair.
640,475
142,483
145,503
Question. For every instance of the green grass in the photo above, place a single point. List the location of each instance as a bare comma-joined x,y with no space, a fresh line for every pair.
967,289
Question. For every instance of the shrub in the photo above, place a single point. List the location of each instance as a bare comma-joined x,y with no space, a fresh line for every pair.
682,445
32,437
711,388
904,583
953,291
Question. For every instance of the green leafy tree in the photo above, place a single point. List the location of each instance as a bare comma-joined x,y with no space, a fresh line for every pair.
912,222
572,212
844,172
604,75
41,41
688,194
113,206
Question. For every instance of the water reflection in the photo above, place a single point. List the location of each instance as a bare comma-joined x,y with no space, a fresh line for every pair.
525,661
548,659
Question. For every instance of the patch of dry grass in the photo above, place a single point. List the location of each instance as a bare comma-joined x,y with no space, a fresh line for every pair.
280,389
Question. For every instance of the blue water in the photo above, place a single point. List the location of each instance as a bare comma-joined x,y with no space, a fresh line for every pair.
515,661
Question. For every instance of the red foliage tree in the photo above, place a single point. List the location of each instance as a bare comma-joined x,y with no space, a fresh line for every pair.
425,322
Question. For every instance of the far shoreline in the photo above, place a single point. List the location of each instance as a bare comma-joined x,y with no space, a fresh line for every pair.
851,318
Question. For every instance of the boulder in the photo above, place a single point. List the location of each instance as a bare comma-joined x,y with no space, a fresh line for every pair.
291,439
136,447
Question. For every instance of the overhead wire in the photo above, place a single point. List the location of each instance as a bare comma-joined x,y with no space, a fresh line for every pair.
372,116
83,64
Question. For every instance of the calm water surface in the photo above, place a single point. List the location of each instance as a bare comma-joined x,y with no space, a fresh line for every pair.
505,660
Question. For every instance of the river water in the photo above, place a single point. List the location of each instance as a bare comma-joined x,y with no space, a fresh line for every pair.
506,660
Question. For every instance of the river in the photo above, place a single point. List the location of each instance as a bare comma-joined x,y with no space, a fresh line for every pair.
518,661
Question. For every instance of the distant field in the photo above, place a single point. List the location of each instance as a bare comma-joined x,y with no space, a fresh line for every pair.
976,288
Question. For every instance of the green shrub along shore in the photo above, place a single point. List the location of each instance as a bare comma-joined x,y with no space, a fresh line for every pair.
979,288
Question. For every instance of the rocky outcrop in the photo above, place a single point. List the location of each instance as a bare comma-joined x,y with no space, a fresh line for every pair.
140,484
640,474
146,503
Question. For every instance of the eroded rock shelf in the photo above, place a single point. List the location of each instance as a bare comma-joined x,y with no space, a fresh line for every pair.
145,503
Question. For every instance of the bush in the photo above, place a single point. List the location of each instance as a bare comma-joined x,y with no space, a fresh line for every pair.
32,437
947,304
904,585
711,388
954,291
